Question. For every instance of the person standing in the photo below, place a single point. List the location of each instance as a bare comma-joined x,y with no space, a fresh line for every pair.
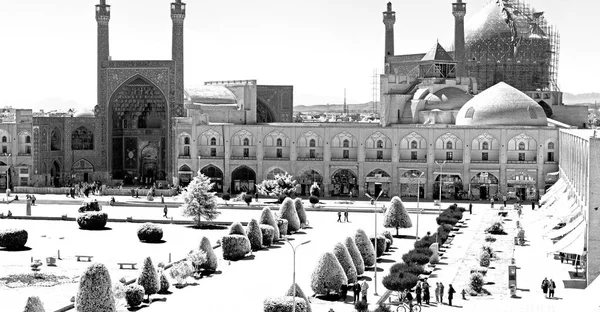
451,292
344,292
504,200
551,288
162,198
426,294
441,293
165,210
356,289
532,205
256,196
545,287
470,208
418,291
346,215
364,287
492,202
339,216
437,292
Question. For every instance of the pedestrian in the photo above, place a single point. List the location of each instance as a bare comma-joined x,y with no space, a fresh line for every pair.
426,294
451,292
9,214
532,205
441,293
437,292
364,287
346,215
545,284
470,208
256,196
408,298
492,202
551,288
33,200
418,292
504,200
162,198
356,289
339,216
165,210
133,193
344,292
463,293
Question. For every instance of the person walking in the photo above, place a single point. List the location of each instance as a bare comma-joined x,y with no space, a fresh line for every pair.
492,202
437,292
418,292
426,295
545,284
504,200
339,216
451,292
33,200
364,287
532,205
470,208
551,288
165,210
441,293
346,215
356,289
162,198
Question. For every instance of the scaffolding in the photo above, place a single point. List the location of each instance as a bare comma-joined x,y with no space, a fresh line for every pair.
514,44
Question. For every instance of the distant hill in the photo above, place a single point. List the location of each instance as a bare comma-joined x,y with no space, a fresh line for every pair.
333,108
583,98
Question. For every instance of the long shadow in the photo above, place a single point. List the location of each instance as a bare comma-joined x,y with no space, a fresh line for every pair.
330,297
523,289
364,278
179,286
207,227
251,257
165,292
210,274
137,308
381,260
405,236
24,248
162,241
158,300
300,233
372,269
106,228
274,247
442,263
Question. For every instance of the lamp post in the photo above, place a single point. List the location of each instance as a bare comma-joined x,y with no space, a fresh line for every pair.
437,237
375,203
418,200
7,155
294,276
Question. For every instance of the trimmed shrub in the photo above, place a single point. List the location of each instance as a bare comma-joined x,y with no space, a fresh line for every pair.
413,257
413,269
476,282
480,270
226,197
380,244
341,253
13,239
383,308
266,217
288,212
164,282
237,228
235,247
95,290
299,293
446,219
313,200
435,257
254,235
357,259
134,295
488,249
180,271
282,224
396,216
361,306
328,275
248,199
425,241
284,304
496,228
521,236
426,251
34,304
211,262
400,281
300,211
149,278
94,220
389,236
367,252
484,259
267,232
150,233
489,238
388,245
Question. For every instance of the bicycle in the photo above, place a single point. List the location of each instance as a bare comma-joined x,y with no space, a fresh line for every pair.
404,307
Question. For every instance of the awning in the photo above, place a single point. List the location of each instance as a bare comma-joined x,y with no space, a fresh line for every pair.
554,234
572,243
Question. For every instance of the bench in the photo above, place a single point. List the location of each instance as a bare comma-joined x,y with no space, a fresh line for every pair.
89,258
132,265
503,214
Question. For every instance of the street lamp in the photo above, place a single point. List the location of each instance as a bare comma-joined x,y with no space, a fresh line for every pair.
294,276
437,237
375,203
418,199
7,155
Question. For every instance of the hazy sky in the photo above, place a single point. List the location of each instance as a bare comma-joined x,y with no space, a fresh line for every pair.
48,48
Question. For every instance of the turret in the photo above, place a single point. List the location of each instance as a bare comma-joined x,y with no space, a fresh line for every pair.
389,19
459,9
178,16
102,17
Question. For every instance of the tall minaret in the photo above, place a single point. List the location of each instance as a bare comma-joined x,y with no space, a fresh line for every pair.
178,15
389,19
459,9
102,17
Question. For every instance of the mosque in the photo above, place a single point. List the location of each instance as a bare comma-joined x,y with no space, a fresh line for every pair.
448,128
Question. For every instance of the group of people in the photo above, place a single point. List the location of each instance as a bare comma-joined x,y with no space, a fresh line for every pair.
548,287
360,291
345,216
422,294
82,189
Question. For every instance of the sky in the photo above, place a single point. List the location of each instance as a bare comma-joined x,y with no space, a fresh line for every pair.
321,47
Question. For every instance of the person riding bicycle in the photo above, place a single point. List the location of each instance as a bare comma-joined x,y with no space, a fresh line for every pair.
407,298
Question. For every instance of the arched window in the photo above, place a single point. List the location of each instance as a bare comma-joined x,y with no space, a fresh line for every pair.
312,143
82,139
213,141
279,142
3,139
55,142
521,146
448,145
470,112
485,146
346,143
246,142
27,139
551,146
186,140
414,145
379,144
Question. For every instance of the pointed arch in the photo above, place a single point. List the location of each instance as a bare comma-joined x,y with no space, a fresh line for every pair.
378,140
305,139
82,164
413,139
344,136
55,139
522,140
447,139
238,138
273,171
273,137
206,138
483,140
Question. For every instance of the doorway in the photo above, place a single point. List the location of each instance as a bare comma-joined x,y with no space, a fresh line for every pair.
85,177
483,192
378,188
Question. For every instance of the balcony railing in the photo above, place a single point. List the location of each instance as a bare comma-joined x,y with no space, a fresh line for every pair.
450,161
378,159
484,161
24,154
243,158
309,159
276,158
184,157
551,162
412,160
522,161
344,159
210,157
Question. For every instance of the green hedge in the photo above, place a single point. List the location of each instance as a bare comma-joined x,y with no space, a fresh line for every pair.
328,275
400,281
134,295
211,262
95,290
266,217
95,220
150,233
365,247
235,247
254,235
284,304
381,245
267,232
414,257
13,239
237,228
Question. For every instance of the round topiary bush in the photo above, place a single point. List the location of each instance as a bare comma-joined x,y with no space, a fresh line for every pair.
95,220
134,295
235,247
414,257
266,217
341,253
412,268
380,244
226,197
365,247
328,275
300,211
248,199
299,293
211,262
426,251
149,278
484,259
388,245
13,239
389,236
288,212
400,281
150,233
313,200
254,235
34,304
476,282
267,232
95,290
284,304
355,255
282,224
237,228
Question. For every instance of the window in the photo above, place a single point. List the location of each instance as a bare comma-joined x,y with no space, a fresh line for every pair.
521,156
414,145
449,155
448,145
484,156
346,143
82,139
24,180
27,139
550,146
186,140
4,139
312,143
279,153
28,149
246,142
521,146
550,156
346,154
413,155
213,141
55,142
23,171
379,144
279,142
186,151
246,152
4,149
485,146
312,153
470,112
379,154
213,152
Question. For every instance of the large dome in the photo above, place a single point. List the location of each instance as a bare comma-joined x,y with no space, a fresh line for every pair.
501,105
83,113
212,95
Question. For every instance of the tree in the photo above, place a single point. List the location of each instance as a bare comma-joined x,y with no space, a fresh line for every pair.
34,304
357,259
282,184
211,262
341,253
200,202
95,290
593,120
299,293
254,235
365,247
266,217
328,275
288,212
149,278
396,216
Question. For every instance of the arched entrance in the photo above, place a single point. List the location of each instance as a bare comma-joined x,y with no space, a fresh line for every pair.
185,175
243,179
483,185
522,185
82,171
215,175
376,181
264,114
452,187
138,122
55,174
345,183
307,178
409,182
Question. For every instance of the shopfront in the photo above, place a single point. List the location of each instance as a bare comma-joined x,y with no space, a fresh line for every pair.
216,177
452,186
185,175
243,179
306,180
344,183
484,185
376,181
522,184
413,182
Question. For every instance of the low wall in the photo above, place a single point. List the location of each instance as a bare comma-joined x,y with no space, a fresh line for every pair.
107,192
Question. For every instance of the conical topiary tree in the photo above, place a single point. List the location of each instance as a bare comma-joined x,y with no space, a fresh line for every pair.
435,257
266,217
34,304
396,216
164,282
267,234
254,235
288,212
328,275
357,259
211,262
149,278
341,253
299,293
301,212
237,228
95,290
367,252
380,244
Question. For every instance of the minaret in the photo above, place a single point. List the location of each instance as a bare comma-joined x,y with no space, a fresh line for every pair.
178,15
459,9
102,17
389,19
